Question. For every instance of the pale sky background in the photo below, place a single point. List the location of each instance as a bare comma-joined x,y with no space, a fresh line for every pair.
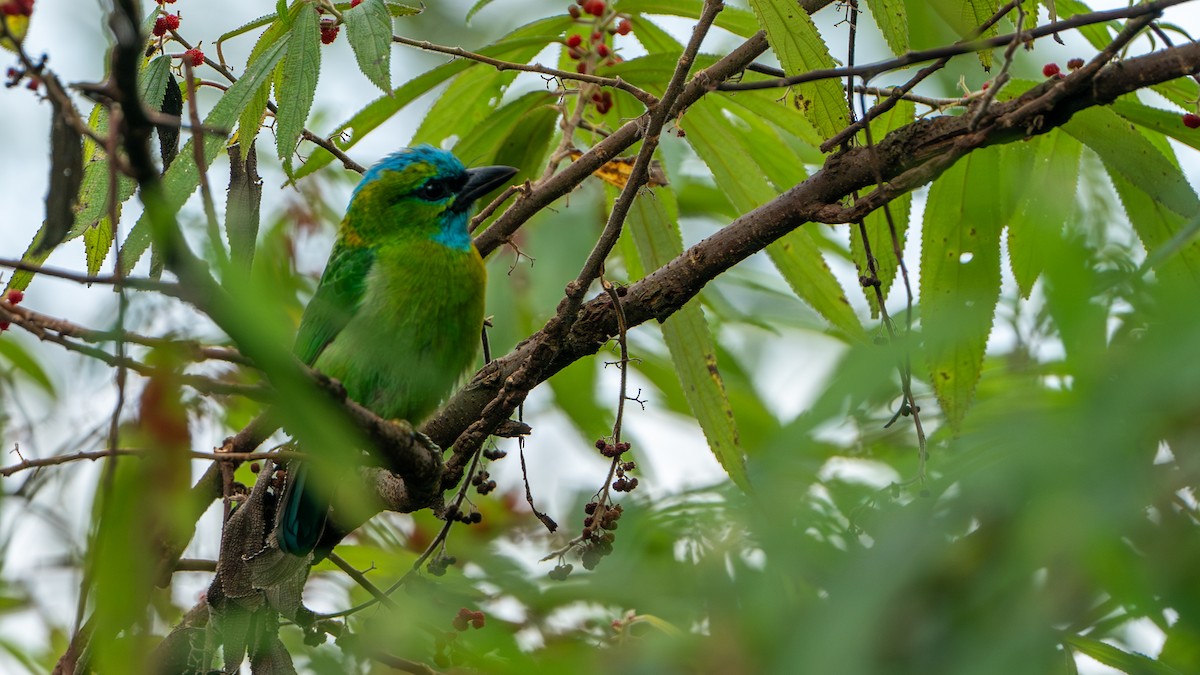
71,31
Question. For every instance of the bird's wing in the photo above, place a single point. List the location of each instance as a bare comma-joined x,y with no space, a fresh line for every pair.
338,297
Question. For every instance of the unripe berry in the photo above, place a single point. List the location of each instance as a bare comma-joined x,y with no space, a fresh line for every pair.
1050,70
574,11
1075,63
1191,121
574,41
195,55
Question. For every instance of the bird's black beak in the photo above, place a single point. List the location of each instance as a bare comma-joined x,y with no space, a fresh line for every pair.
480,182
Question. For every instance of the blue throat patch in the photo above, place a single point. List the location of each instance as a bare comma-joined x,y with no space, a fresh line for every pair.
453,232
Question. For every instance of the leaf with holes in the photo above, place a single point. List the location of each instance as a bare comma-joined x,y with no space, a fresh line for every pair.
960,276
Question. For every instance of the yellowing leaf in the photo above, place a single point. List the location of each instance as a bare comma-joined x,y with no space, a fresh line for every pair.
617,171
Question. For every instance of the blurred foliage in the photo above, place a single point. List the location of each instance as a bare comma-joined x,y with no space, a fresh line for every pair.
1055,515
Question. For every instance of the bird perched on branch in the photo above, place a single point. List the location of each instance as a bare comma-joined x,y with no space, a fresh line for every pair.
398,311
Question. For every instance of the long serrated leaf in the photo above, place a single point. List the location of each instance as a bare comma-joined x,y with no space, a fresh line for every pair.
732,158
250,121
960,276
876,225
1156,227
1128,153
297,84
182,179
733,19
1045,206
1126,662
242,206
1155,119
797,42
483,141
97,240
369,29
382,108
654,227
892,18
152,82
468,101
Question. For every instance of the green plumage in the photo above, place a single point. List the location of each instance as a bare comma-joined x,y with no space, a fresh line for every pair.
398,311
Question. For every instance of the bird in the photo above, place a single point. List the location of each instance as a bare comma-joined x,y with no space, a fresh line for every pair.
397,313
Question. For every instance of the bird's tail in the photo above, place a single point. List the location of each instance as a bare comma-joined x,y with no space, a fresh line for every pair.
302,512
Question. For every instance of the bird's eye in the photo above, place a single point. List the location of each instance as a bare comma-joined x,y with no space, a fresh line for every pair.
434,190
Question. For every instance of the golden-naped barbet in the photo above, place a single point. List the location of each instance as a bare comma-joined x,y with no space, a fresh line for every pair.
397,315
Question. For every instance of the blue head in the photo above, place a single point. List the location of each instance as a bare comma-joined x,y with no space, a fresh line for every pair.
421,191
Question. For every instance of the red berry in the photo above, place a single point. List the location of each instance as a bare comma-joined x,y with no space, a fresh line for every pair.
1191,121
4,326
575,53
355,3
602,50
624,27
594,7
194,56
1050,70
1075,63
172,21
15,296
574,41
477,620
573,10
329,32
160,27
581,68
597,36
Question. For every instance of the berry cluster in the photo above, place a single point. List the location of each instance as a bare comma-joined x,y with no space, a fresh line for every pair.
165,2
561,571
625,483
1075,63
329,31
597,533
195,56
597,49
483,484
494,454
452,513
439,564
612,450
466,618
17,8
15,75
165,23
14,297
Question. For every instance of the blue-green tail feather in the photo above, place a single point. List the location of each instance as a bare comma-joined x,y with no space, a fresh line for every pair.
302,514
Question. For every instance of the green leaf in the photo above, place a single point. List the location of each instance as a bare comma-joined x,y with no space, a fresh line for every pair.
798,44
960,276
1126,662
152,82
484,140
1128,153
879,231
738,162
1045,206
23,361
892,19
735,20
369,29
653,223
97,240
297,84
475,9
397,9
1155,119
381,109
183,177
1157,227
250,121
